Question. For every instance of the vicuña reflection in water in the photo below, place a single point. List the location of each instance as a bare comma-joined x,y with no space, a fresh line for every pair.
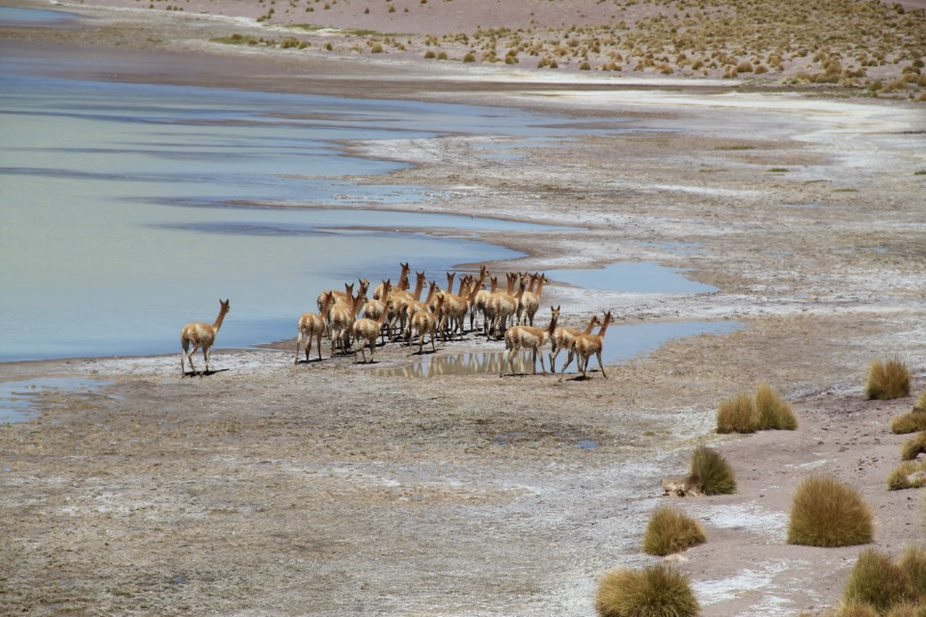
622,343
469,363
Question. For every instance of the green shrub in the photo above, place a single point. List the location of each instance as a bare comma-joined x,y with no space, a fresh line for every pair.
888,380
737,415
773,411
913,564
909,422
670,531
827,513
911,474
712,472
913,447
656,591
877,581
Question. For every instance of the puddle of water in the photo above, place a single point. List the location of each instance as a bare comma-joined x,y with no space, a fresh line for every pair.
632,277
14,16
19,399
622,343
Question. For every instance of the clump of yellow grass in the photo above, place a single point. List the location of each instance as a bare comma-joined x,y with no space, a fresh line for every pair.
738,415
856,609
913,447
773,411
711,472
910,474
657,591
913,564
827,513
878,582
888,380
910,422
906,609
671,531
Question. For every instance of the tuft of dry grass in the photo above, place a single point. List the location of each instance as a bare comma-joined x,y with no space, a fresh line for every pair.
656,591
738,415
920,404
913,447
906,610
827,513
712,472
670,531
856,609
878,582
909,422
913,564
911,474
888,380
773,411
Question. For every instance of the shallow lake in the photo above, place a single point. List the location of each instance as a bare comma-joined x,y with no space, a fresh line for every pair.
127,210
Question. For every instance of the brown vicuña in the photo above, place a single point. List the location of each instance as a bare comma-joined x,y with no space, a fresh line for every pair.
312,325
584,345
200,336
367,330
528,337
563,336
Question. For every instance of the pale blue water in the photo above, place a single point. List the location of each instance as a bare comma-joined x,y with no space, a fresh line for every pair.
15,16
128,210
632,277
121,214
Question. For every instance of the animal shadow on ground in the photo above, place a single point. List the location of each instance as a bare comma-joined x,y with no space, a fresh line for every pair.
204,373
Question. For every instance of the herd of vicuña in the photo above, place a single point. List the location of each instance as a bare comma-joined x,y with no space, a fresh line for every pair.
397,313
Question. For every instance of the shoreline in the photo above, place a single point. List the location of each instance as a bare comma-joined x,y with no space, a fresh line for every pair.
326,489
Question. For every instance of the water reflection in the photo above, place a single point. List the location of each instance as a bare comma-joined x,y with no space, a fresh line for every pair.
622,343
469,363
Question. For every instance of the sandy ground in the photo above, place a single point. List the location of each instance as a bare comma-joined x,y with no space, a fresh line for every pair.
327,488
